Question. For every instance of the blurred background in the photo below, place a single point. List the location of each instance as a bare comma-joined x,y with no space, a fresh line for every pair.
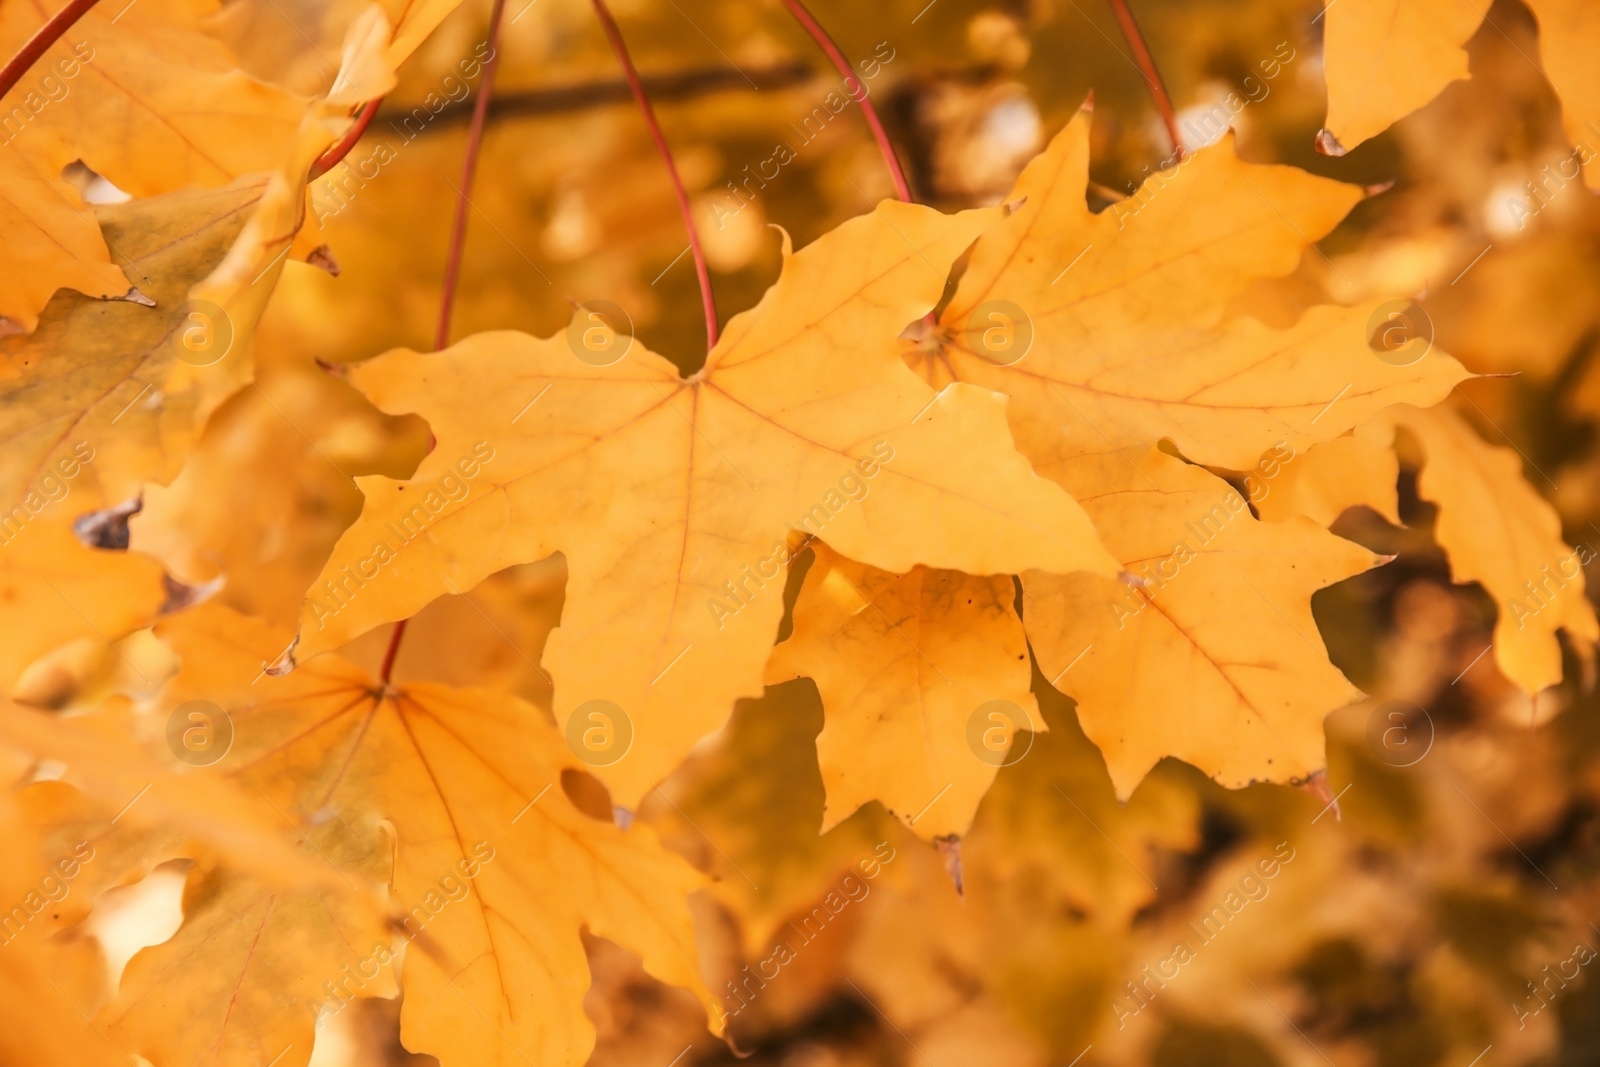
1442,912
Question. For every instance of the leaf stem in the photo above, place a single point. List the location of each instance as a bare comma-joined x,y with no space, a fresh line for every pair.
858,92
702,273
393,649
40,42
469,167
1152,74
330,159
458,240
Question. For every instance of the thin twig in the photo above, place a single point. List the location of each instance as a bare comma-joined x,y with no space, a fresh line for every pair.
858,92
469,166
330,159
702,273
1152,75
393,649
40,42
458,240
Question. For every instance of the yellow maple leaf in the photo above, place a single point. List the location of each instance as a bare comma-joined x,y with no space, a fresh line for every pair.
92,379
291,42
43,1024
255,968
1569,33
267,489
270,921
494,869
1109,328
162,142
760,833
52,242
54,590
1387,58
119,780
129,110
1360,468
1501,533
924,679
673,497
1214,655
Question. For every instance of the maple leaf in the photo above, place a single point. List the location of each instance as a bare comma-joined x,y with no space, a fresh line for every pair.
1360,468
266,492
760,833
1501,533
262,929
52,243
53,590
1386,58
906,663
256,967
43,1022
165,143
289,42
106,396
1214,656
1128,348
1110,326
117,779
491,861
117,93
135,113
92,379
672,498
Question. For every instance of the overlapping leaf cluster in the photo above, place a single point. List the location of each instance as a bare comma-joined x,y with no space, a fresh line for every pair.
1024,449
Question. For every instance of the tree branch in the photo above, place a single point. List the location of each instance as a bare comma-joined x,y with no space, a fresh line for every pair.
679,85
